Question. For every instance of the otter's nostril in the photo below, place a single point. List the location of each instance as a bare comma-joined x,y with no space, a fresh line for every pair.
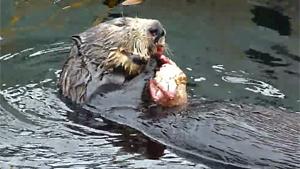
162,33
157,32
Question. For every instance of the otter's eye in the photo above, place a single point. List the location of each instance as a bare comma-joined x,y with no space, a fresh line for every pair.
157,32
120,24
163,33
154,32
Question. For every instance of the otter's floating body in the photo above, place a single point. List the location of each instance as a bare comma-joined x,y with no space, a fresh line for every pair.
218,134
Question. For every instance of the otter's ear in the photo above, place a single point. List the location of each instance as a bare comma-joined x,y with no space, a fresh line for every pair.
77,44
77,40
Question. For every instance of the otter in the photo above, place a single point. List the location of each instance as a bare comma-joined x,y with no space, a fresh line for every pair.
220,134
109,54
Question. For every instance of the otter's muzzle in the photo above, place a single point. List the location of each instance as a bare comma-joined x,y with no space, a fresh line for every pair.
157,32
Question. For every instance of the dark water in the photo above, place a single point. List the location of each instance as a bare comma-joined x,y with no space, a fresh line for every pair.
244,51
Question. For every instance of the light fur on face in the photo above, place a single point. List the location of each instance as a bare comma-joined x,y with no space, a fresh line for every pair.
136,41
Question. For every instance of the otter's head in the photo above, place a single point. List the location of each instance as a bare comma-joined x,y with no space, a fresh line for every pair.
138,40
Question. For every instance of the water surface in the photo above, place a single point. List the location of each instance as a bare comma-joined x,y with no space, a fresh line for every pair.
243,51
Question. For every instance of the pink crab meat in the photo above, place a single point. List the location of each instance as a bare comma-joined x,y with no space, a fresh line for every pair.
163,86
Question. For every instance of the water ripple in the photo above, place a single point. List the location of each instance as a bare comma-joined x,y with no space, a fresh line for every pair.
256,86
29,98
58,140
56,49
8,56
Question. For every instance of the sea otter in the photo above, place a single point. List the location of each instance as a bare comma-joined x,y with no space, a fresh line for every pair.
107,55
219,134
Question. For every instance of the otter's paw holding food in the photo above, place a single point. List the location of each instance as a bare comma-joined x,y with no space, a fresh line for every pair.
168,88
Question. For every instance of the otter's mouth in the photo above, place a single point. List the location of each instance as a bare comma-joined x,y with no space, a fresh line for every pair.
159,40
160,48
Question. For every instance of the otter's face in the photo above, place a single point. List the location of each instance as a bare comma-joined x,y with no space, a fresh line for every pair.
145,36
156,34
138,40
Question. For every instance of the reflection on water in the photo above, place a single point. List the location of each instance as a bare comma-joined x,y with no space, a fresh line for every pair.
265,58
235,50
282,50
272,19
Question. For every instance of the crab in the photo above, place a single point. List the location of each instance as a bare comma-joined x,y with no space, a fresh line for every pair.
168,87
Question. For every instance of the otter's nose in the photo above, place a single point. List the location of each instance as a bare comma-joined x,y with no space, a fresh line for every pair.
157,32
